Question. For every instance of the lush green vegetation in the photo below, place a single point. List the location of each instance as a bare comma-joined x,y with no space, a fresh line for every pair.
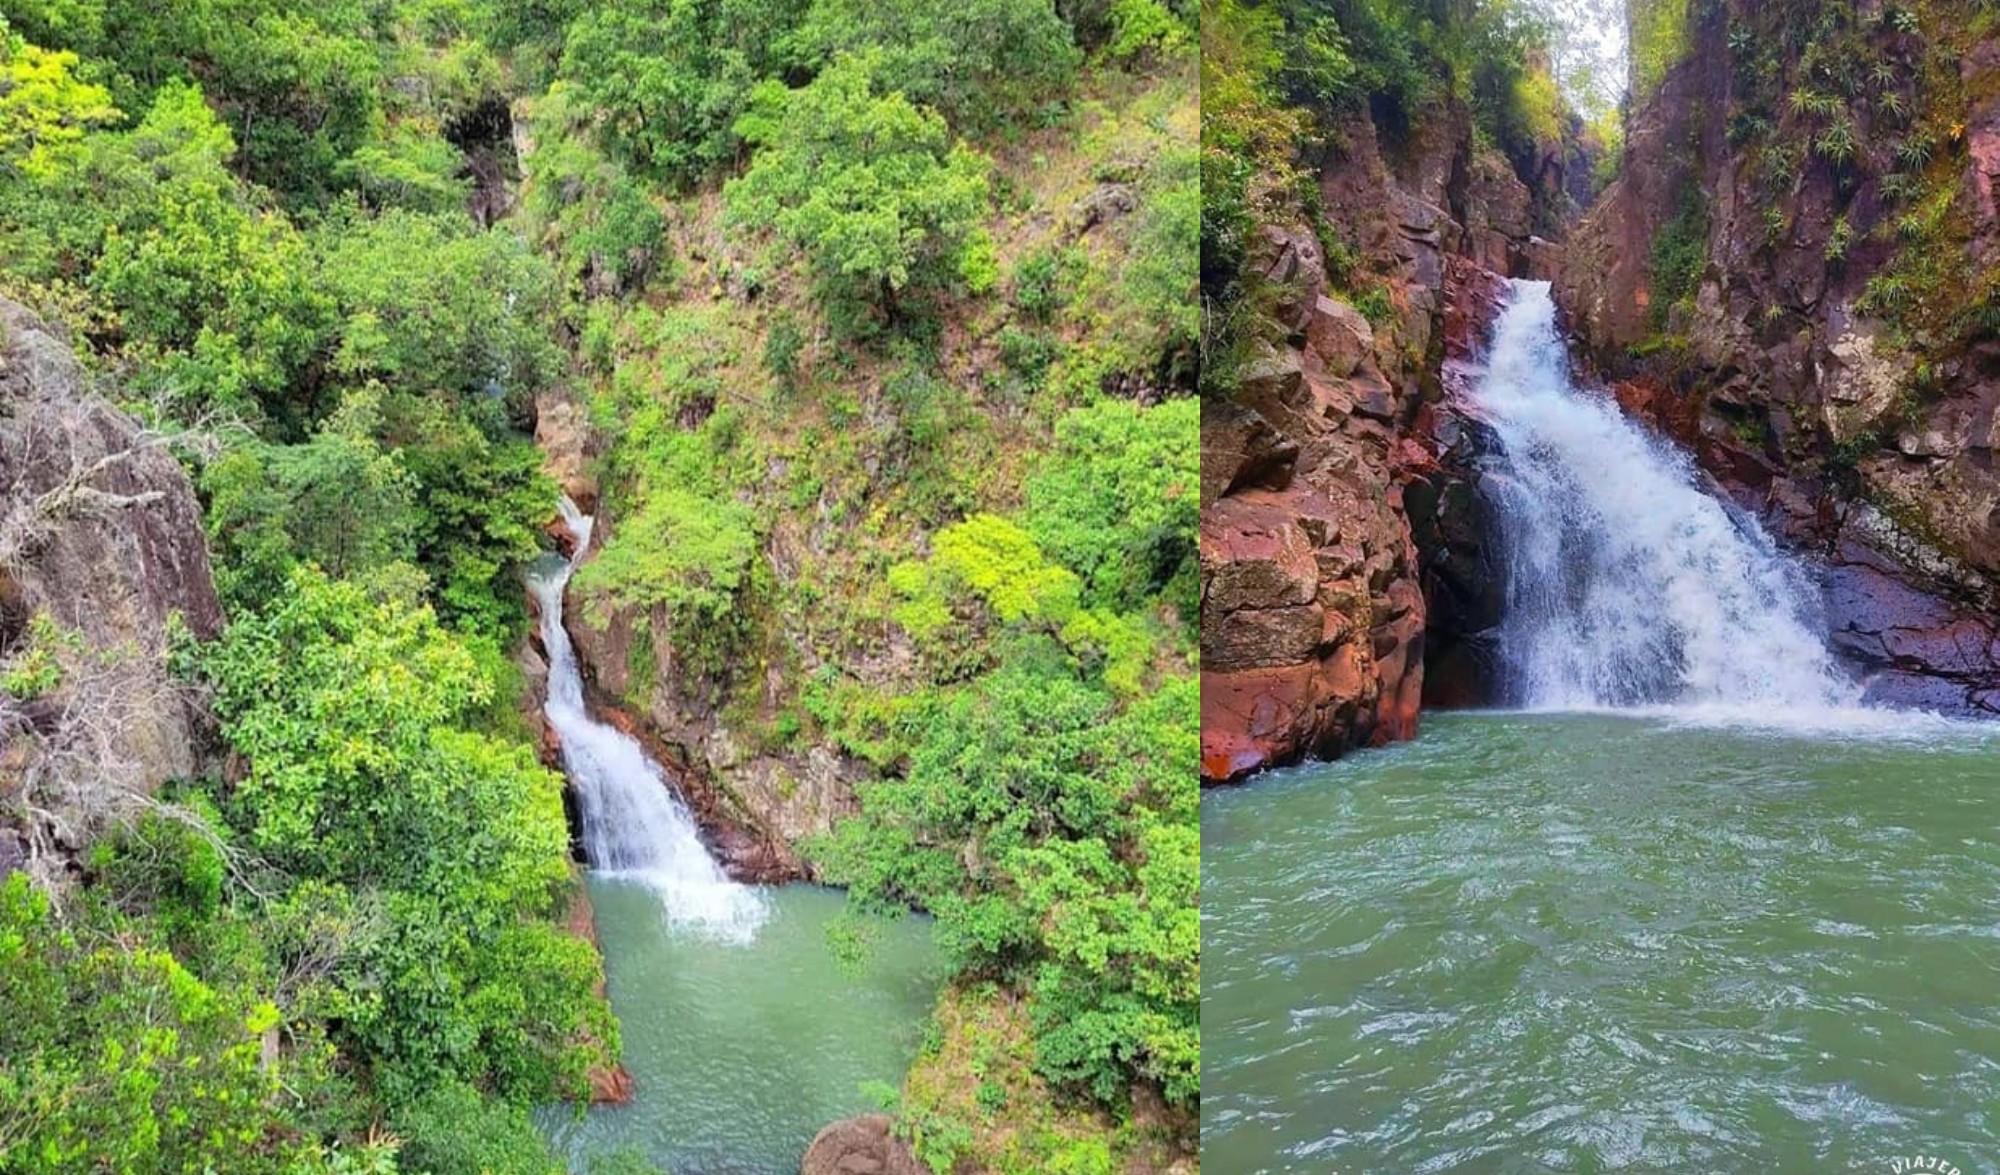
1282,77
915,386
883,314
250,216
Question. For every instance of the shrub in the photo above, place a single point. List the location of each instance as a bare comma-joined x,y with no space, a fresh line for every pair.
861,180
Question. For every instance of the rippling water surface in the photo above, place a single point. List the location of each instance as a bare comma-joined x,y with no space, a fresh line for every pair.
1580,943
741,1049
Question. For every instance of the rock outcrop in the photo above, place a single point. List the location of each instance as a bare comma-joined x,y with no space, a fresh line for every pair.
101,533
754,805
860,1146
1316,595
1312,620
1808,334
562,433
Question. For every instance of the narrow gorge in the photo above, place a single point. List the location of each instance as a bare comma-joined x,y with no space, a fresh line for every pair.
1751,295
1597,605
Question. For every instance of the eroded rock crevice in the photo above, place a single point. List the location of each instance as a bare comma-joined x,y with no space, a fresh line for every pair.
1347,574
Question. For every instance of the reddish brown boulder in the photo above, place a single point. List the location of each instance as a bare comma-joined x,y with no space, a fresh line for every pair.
610,1085
860,1146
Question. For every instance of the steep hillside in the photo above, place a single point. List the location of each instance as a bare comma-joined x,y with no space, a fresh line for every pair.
866,331
1794,274
860,548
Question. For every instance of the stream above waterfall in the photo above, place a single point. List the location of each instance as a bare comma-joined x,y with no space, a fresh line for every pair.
743,1029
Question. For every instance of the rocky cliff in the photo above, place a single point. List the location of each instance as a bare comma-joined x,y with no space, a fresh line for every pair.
101,549
1316,596
1795,275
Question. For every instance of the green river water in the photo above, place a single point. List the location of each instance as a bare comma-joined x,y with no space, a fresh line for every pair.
741,1051
1593,942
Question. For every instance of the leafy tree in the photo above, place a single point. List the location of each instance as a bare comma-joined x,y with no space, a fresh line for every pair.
428,304
348,709
298,85
451,1130
672,76
482,500
44,107
685,551
584,207
339,501
208,293
976,61
867,184
407,168
1129,28
988,573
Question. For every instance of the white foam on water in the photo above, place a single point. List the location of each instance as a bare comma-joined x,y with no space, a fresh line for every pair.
635,826
1629,588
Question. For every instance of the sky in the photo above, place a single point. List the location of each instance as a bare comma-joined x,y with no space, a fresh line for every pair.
1589,51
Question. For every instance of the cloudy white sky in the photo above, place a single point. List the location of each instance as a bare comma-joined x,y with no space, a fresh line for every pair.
1589,51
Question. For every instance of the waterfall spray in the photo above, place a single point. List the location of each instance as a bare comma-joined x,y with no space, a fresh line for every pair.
1628,586
634,825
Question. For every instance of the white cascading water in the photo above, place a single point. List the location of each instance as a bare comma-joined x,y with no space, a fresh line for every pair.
634,825
1627,585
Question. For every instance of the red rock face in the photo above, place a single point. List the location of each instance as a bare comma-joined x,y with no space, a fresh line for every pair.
1305,634
1314,613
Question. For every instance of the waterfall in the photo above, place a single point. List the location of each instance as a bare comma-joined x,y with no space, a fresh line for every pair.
1627,585
634,825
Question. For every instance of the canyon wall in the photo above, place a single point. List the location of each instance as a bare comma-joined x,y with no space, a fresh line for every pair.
1316,594
1794,275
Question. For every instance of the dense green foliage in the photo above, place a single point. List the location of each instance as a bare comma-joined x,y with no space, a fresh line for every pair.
883,317
1083,820
272,251
876,482
120,1059
866,183
1280,75
1079,809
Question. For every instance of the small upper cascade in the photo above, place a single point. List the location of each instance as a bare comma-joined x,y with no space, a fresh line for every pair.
1627,585
634,824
